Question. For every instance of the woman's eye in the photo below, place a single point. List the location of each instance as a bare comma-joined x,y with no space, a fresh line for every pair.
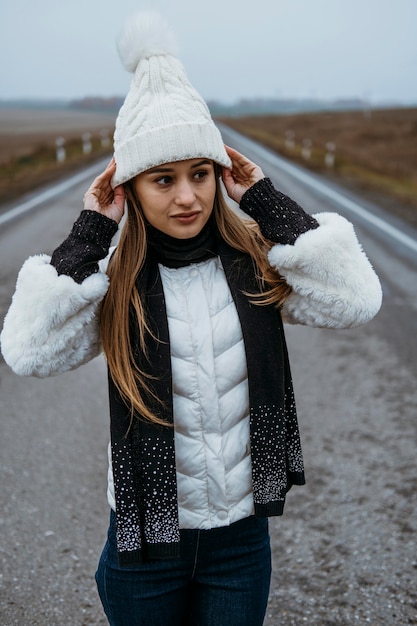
164,180
201,174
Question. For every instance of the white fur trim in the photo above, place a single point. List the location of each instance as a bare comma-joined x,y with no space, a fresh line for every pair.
52,324
333,282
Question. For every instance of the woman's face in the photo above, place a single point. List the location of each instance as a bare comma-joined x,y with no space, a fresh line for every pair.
177,198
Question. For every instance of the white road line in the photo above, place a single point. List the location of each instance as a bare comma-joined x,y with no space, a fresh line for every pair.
44,196
330,193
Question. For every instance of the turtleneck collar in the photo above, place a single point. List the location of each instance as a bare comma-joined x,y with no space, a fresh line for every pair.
173,252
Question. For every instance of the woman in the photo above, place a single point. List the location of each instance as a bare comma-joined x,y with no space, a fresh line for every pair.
188,309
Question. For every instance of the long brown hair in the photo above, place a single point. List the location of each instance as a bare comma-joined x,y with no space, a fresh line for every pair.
122,296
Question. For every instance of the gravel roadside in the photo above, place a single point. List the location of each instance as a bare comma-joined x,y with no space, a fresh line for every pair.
345,549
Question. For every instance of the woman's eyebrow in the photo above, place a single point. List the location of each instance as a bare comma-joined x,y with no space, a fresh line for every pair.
157,170
164,170
203,162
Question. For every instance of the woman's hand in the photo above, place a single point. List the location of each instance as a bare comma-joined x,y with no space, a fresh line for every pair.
102,198
242,176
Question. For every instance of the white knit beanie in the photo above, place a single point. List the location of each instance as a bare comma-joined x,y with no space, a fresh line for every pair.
163,118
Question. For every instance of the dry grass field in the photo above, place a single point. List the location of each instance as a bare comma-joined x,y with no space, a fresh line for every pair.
28,149
374,151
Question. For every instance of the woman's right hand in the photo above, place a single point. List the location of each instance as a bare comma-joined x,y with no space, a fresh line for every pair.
101,197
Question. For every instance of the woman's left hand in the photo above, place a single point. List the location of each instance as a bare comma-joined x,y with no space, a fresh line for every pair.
242,176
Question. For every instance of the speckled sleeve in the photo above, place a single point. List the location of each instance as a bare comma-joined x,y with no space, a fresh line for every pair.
88,243
280,219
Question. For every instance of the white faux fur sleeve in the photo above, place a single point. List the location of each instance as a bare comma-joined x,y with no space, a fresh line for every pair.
333,283
52,324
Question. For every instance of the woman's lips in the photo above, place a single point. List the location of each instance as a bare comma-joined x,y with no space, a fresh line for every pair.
186,218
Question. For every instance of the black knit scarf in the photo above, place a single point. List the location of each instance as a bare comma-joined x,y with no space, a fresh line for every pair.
143,455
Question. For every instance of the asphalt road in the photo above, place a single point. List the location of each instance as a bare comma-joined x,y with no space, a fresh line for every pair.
345,549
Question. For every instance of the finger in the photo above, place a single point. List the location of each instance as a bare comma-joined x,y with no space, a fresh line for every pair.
100,188
237,157
229,180
227,174
234,155
111,164
231,151
106,175
119,196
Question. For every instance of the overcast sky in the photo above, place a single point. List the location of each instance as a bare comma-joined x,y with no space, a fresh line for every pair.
231,49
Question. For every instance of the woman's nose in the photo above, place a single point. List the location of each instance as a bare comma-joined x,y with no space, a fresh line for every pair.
185,195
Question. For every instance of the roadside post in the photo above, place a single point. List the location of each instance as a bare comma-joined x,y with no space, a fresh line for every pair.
306,149
61,153
87,146
329,157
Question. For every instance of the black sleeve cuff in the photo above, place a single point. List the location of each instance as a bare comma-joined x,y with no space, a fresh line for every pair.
88,243
280,219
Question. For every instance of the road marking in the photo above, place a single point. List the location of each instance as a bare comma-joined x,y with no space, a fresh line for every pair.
330,193
44,196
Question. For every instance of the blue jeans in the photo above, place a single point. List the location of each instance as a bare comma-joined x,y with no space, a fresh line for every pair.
221,579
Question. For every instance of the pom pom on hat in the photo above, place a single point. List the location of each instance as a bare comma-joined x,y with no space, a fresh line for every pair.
145,35
163,118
